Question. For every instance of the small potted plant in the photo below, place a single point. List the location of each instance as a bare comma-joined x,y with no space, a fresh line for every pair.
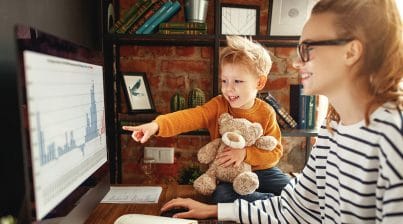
189,174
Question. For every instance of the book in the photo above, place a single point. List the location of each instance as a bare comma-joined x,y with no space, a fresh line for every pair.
135,16
151,219
133,9
285,117
295,94
299,105
186,32
310,111
183,26
322,104
149,21
154,8
302,110
174,8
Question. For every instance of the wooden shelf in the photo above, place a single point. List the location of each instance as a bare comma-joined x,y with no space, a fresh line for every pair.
162,40
299,132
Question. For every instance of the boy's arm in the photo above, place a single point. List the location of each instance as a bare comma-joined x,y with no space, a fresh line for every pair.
178,122
256,156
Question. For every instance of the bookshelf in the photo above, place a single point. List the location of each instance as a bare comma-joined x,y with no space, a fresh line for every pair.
112,44
306,133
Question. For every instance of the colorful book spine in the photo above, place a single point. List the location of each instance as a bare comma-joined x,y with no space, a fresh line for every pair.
179,32
132,10
154,17
183,26
302,110
154,8
141,10
164,17
310,111
284,116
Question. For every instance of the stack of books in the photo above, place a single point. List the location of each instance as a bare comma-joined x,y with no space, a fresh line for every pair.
303,107
284,119
191,28
144,16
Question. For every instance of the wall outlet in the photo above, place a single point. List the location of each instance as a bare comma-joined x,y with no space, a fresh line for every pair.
160,154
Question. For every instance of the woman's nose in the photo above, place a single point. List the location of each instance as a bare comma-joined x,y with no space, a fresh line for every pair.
297,63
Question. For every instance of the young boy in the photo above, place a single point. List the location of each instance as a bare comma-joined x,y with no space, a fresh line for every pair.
244,66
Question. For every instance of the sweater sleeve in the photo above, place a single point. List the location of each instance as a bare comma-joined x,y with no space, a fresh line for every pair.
260,158
200,117
298,203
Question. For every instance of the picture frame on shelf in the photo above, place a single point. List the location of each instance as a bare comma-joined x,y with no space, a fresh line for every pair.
287,17
137,91
239,19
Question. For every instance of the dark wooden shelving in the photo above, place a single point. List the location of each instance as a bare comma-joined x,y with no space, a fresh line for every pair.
162,40
299,132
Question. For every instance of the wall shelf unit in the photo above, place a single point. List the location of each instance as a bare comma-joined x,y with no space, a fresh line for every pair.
214,40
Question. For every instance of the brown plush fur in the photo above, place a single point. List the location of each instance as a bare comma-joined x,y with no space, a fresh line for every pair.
243,179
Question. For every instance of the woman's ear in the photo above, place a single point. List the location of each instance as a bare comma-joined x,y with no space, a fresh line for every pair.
261,82
354,52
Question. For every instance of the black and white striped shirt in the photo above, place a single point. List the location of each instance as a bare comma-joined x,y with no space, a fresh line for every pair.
354,175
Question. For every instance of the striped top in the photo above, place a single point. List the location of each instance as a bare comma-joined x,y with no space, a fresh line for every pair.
354,175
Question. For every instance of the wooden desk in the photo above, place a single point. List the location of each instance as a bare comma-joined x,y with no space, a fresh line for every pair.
108,213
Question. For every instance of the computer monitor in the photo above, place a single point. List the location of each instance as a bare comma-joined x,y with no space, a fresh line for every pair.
61,86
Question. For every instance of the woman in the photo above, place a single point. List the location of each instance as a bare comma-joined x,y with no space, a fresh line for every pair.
352,52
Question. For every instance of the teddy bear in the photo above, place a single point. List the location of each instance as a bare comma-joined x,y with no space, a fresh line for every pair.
236,133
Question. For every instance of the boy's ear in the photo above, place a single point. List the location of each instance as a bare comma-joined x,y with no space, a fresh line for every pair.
261,82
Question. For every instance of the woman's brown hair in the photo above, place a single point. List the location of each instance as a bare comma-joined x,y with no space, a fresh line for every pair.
378,26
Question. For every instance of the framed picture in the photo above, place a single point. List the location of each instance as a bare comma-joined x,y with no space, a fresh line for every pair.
287,17
138,92
239,19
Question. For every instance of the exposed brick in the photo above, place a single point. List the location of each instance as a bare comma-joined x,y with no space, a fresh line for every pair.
285,52
184,66
127,65
274,68
206,52
278,83
186,51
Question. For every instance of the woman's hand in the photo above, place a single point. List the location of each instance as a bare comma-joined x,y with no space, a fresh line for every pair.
196,210
142,132
231,157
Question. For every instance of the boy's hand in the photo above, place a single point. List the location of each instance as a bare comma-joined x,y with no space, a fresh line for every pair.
231,157
142,132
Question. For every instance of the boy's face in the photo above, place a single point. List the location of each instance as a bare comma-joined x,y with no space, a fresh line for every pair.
238,85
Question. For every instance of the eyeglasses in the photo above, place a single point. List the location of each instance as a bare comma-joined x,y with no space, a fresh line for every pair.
304,47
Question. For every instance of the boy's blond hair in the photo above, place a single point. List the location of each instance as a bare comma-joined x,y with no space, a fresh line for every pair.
247,52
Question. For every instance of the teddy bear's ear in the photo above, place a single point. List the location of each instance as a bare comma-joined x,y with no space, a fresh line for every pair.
224,117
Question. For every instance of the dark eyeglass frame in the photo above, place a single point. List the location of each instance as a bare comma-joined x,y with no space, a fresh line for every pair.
303,47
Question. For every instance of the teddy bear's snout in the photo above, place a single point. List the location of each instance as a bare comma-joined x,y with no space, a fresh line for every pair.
233,140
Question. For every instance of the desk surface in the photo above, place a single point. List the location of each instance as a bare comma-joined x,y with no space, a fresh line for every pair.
108,213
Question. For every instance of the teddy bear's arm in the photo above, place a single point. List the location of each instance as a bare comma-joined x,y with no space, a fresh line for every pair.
208,152
266,142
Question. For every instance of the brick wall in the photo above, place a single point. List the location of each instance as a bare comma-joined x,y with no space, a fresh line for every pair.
179,69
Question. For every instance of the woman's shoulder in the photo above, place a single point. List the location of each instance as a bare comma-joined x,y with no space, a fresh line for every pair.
388,116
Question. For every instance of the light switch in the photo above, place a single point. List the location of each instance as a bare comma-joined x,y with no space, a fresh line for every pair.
160,154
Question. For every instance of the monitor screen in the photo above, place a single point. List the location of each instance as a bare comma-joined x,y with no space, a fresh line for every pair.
62,93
